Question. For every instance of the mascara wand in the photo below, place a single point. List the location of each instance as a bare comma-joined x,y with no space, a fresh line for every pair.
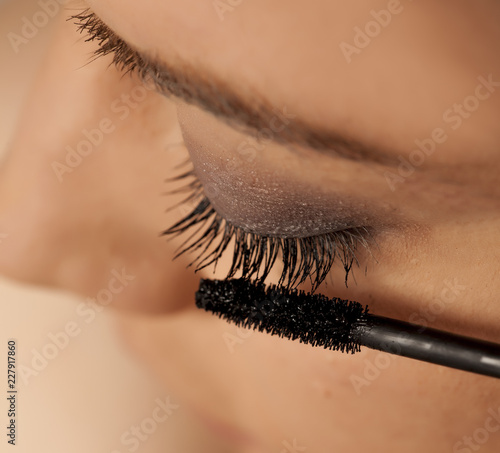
341,325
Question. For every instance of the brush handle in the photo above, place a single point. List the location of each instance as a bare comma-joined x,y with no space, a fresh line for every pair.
429,345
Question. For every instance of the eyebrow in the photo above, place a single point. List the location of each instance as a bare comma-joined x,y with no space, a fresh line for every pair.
240,107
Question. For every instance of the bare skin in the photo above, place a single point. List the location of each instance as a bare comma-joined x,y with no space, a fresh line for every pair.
436,259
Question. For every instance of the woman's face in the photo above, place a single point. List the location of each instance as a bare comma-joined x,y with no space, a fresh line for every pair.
300,120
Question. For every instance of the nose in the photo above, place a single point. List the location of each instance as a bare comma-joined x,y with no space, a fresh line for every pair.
82,186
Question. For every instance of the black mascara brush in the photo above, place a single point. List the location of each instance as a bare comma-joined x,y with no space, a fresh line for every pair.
341,325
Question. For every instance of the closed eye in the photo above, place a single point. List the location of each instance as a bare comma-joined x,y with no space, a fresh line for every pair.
211,235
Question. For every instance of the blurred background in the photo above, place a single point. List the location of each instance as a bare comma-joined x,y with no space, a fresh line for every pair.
90,393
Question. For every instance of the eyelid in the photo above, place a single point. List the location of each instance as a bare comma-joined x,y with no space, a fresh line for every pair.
255,255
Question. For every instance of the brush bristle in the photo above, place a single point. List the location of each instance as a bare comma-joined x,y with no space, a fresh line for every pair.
311,318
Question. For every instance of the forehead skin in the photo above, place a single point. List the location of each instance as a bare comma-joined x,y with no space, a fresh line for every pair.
393,91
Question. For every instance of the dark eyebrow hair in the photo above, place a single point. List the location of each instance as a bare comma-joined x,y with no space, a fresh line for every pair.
249,111
241,107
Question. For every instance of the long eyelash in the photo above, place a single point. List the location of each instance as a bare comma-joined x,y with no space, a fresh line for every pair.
254,255
125,59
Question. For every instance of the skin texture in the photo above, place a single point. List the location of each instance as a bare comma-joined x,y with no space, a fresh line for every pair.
435,259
